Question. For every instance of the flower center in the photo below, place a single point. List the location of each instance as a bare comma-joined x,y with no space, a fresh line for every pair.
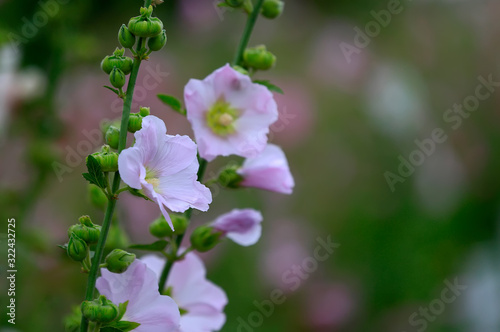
221,117
153,180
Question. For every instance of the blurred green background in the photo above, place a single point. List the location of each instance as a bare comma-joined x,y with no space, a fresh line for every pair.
344,122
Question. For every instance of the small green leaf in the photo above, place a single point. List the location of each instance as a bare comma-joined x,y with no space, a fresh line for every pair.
155,246
173,102
95,175
137,193
270,86
114,90
63,246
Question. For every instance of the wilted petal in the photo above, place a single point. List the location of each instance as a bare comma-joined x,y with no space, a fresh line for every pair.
241,226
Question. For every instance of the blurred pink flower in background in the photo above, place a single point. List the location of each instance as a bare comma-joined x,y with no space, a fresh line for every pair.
328,63
203,301
297,113
286,244
329,306
241,226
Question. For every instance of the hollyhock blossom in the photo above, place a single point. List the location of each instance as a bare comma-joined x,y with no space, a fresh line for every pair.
146,306
241,226
201,301
229,114
165,167
268,171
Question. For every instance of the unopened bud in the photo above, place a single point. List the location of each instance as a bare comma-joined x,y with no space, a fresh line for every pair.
119,260
145,25
100,310
229,178
117,78
160,227
134,123
144,111
125,37
156,43
112,136
204,238
107,160
272,8
121,62
259,58
77,248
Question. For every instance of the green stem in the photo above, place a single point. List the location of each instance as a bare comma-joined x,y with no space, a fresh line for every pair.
96,261
252,18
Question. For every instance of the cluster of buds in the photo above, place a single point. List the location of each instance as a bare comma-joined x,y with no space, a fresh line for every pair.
81,236
144,26
258,58
270,8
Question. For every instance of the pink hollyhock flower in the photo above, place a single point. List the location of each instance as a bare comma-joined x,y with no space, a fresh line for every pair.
146,306
241,226
268,171
165,167
201,301
229,113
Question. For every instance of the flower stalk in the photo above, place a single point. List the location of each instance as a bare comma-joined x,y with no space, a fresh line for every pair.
127,104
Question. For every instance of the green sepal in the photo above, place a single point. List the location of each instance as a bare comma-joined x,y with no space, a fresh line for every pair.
95,174
137,193
122,308
270,86
121,326
173,102
155,246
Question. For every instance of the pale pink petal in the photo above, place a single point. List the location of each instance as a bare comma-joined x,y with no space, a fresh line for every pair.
138,286
131,167
269,171
202,318
241,226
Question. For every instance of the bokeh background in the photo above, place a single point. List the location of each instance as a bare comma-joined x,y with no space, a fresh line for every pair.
343,123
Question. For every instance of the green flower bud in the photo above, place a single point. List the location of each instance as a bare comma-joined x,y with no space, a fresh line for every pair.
160,227
124,63
100,310
117,78
107,160
204,238
234,3
112,137
145,25
97,197
259,58
144,111
241,70
229,178
119,260
86,221
77,248
86,230
156,43
272,8
125,37
134,122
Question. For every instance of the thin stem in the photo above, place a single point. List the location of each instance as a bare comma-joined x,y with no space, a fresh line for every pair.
96,261
252,18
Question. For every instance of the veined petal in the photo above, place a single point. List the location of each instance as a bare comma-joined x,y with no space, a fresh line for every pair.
131,167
